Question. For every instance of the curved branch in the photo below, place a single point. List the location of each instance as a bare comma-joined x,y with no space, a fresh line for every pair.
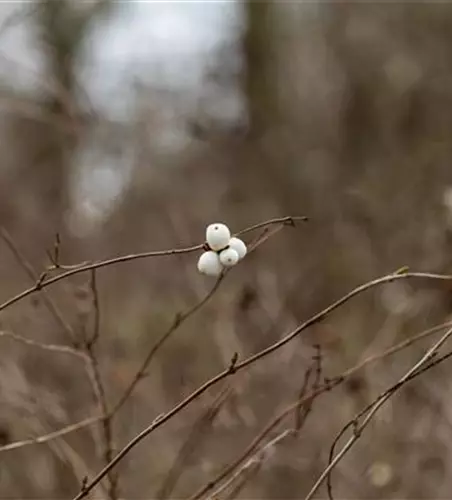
44,283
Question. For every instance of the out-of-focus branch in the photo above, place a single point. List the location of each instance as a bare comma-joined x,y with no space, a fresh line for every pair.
253,464
45,438
62,349
106,423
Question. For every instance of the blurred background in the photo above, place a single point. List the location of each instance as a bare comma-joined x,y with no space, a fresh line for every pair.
129,126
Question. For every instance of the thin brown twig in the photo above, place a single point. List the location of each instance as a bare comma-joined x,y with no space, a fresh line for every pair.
302,411
179,319
299,417
267,233
33,275
55,259
96,307
288,220
106,423
375,406
251,360
45,282
98,391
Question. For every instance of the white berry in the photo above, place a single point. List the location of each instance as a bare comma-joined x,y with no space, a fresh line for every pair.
218,236
239,246
229,257
209,263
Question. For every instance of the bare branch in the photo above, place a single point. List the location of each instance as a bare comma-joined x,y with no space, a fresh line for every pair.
43,282
106,442
376,405
33,275
254,463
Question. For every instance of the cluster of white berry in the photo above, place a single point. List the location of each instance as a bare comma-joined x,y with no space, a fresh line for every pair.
224,251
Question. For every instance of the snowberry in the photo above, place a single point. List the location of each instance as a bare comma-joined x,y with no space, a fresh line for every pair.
209,263
218,236
229,257
239,246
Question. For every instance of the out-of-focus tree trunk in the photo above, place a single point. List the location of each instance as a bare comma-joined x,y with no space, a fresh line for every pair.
61,37
269,156
260,75
43,148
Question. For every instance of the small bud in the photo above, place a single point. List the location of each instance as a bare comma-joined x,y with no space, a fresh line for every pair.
239,246
209,264
218,236
229,257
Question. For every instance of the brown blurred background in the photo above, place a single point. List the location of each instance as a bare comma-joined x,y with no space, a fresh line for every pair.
128,127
